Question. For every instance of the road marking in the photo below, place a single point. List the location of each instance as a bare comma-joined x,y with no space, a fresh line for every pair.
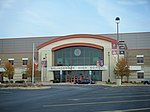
74,99
140,92
106,97
126,110
96,103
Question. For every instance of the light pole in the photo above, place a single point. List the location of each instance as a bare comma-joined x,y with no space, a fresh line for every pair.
109,65
117,20
33,63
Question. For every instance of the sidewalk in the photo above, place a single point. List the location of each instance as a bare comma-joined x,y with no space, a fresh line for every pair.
46,85
101,83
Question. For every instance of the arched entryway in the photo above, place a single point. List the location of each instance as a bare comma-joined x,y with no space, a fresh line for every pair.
77,55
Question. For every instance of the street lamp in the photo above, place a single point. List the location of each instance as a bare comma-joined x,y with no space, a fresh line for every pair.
117,20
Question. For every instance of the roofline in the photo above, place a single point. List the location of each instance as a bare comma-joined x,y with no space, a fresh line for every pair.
33,37
125,33
96,36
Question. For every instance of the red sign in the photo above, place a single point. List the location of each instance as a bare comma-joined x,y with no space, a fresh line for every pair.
114,49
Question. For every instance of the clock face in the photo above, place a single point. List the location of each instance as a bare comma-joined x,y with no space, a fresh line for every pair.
77,52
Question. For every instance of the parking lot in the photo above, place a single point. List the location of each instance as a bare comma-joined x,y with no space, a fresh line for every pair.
76,98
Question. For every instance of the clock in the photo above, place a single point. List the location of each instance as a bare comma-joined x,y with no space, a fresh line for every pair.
77,52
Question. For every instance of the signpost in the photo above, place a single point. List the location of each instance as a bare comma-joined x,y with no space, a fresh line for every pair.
121,47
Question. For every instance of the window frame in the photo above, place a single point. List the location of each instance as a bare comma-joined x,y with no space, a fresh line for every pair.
24,61
140,59
140,74
11,60
24,76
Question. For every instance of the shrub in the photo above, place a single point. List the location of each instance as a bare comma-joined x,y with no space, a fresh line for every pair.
56,81
20,81
124,81
110,82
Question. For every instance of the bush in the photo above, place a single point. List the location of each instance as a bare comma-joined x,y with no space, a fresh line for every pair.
6,82
56,81
110,82
124,81
20,81
134,82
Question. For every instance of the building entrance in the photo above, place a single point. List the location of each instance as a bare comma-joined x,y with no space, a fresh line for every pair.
77,61
76,75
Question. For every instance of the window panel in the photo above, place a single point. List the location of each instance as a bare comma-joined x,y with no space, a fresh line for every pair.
77,56
11,61
24,76
140,75
140,60
24,62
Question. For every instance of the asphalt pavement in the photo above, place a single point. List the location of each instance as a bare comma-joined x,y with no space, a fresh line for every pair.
76,98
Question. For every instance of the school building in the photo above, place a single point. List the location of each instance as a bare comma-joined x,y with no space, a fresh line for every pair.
74,57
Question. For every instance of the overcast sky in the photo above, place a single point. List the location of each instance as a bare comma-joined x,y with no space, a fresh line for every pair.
26,18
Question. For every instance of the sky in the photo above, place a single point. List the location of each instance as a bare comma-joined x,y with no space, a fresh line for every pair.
31,18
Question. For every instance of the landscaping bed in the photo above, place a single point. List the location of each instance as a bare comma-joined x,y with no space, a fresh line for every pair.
25,85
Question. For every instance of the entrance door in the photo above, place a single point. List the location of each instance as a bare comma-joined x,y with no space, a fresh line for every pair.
57,76
75,75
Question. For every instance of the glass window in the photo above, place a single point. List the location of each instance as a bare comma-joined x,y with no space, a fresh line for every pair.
11,61
140,75
140,59
77,56
24,62
59,62
24,76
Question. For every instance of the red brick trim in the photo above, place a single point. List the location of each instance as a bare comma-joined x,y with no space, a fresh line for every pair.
77,44
77,36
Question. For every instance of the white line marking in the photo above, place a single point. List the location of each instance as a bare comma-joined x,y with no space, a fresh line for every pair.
127,110
106,97
74,99
96,103
140,92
